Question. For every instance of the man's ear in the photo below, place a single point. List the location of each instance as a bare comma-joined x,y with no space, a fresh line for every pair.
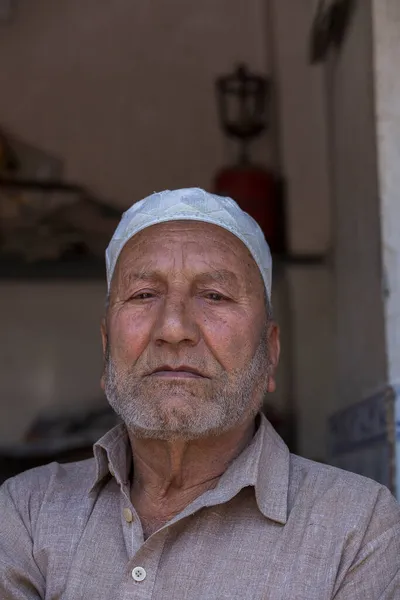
274,352
104,341
104,337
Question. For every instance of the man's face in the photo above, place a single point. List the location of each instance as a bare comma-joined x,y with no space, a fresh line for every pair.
188,348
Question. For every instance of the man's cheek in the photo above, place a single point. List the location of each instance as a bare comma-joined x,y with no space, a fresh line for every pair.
241,349
126,334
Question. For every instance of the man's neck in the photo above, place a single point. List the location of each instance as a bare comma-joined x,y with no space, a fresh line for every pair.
169,475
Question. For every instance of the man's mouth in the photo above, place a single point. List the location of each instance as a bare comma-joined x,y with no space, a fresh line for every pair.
181,372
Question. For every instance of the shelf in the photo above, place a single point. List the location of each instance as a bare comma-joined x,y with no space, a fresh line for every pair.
79,270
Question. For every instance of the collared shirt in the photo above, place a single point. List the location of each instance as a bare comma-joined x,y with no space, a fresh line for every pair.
276,527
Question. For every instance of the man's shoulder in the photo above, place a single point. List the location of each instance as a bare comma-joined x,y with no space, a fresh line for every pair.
324,477
329,489
50,483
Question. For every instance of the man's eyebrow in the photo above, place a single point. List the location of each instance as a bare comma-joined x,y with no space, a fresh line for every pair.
218,276
142,275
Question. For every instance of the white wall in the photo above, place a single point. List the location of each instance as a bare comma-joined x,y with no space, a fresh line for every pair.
124,91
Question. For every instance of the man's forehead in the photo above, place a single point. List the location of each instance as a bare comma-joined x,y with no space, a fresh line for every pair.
201,252
157,244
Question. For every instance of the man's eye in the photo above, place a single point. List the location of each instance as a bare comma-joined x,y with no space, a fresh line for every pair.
142,296
214,296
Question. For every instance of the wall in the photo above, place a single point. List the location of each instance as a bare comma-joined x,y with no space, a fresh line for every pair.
305,163
329,157
123,91
303,128
360,328
51,351
386,20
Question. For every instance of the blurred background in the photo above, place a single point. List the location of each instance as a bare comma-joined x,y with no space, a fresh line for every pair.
293,108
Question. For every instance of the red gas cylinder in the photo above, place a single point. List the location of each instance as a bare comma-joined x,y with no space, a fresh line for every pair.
256,191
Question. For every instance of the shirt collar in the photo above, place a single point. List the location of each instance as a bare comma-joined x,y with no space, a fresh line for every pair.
263,464
113,456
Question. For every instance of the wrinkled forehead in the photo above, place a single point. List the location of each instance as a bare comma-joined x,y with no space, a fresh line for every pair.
188,246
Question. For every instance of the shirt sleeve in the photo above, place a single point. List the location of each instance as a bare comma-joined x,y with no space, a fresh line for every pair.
375,572
20,577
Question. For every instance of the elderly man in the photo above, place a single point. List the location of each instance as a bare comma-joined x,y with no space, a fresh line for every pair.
195,496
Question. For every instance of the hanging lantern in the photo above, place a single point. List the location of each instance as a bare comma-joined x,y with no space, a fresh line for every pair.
243,101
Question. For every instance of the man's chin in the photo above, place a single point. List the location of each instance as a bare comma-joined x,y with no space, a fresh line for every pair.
175,387
176,419
178,414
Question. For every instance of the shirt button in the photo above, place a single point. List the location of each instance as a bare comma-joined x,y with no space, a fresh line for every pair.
139,574
128,516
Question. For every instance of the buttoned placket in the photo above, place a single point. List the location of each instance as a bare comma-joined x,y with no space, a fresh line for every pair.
143,556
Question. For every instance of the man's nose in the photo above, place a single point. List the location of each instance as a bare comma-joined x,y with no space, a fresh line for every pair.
176,322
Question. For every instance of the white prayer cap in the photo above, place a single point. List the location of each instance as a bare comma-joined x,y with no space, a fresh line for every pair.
191,204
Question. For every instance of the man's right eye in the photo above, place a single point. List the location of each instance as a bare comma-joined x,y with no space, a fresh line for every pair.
142,296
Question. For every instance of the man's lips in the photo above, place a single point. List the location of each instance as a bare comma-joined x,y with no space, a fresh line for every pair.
180,372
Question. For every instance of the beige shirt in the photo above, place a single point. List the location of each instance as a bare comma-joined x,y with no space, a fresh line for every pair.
276,527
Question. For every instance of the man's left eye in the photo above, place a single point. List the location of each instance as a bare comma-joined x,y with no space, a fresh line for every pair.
215,296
